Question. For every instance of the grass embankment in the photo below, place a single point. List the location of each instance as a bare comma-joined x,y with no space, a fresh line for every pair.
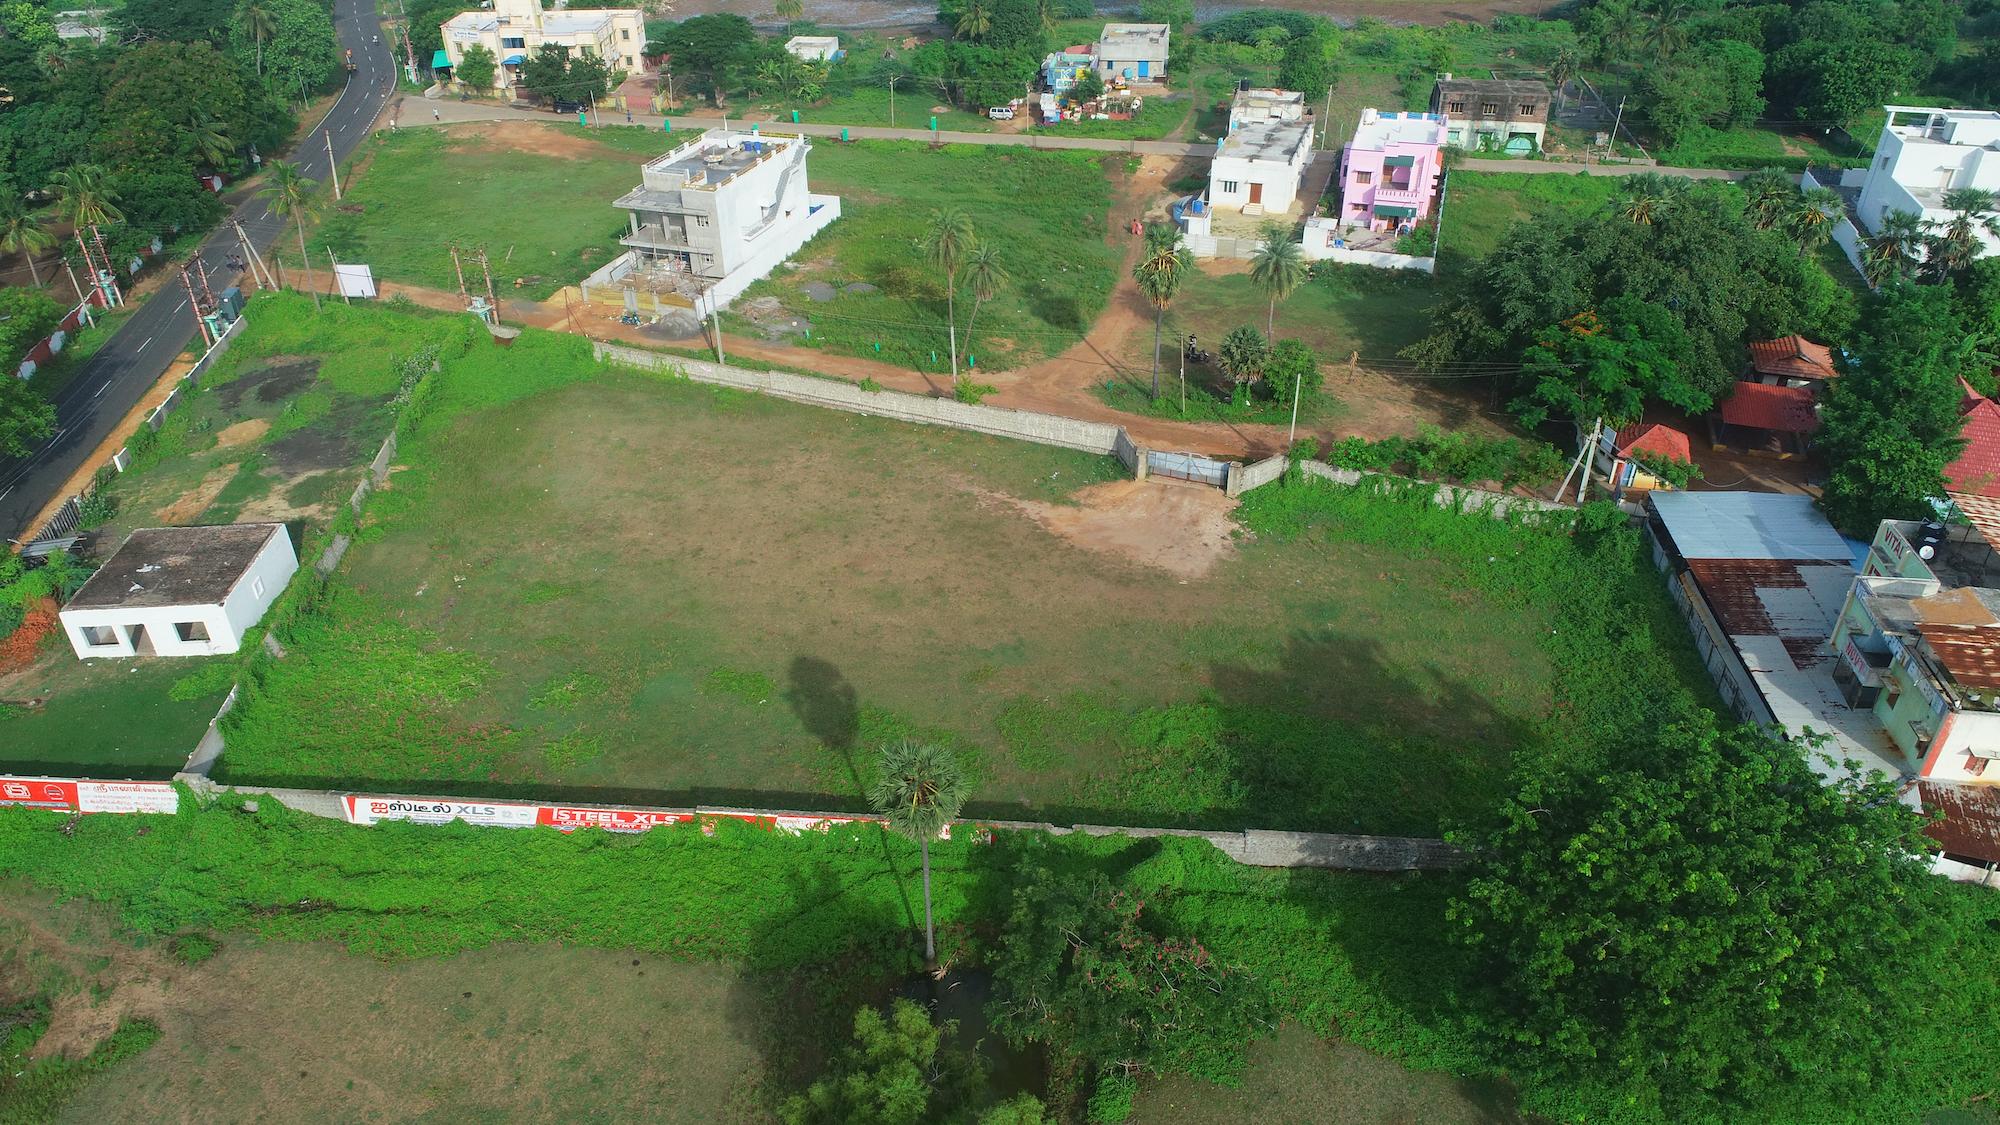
1042,212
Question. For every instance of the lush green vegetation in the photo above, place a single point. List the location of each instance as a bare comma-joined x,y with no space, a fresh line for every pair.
1058,269
1482,208
38,1090
108,718
425,190
1454,457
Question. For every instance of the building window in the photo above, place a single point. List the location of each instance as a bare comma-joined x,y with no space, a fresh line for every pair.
516,43
625,33
256,587
1359,208
100,636
1489,108
701,220
191,630
1456,106
1364,177
1527,109
1230,187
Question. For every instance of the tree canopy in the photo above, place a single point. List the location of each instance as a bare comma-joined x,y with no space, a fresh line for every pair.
707,51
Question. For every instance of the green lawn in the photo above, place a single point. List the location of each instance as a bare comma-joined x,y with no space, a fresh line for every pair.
1756,147
869,105
544,220
104,718
1480,207
1043,212
876,591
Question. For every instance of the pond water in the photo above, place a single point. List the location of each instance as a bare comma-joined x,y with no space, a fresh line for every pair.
962,996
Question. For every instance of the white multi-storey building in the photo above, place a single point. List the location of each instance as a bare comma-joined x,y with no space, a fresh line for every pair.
515,29
1924,153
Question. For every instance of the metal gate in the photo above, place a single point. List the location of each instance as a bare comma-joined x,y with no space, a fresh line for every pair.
1188,466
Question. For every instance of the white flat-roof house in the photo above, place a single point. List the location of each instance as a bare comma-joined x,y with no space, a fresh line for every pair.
1255,106
515,29
180,591
714,215
1925,152
814,48
1257,168
1134,51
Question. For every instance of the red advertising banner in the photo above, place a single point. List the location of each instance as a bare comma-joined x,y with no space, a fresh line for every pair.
569,817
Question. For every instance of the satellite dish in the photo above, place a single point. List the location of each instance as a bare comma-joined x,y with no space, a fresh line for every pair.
1926,552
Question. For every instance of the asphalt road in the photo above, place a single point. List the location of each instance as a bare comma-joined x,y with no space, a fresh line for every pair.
135,357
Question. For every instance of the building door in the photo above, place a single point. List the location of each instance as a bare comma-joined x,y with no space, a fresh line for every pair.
1145,67
1256,193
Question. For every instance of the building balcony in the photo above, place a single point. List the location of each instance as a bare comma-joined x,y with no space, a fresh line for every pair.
657,238
1400,197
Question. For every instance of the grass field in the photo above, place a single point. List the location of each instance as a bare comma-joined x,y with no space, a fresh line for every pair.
1480,207
877,590
423,190
103,718
1044,212
869,105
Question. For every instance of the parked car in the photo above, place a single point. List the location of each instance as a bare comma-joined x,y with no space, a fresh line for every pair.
1001,113
562,106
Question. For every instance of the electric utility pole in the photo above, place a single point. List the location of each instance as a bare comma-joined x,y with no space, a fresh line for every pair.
111,290
492,302
458,268
332,168
194,299
1615,123
893,79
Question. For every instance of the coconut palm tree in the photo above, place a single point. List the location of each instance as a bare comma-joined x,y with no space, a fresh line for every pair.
83,197
1278,268
974,20
212,145
22,233
1895,247
1562,69
945,244
1770,194
1957,242
260,23
920,790
1646,195
1669,31
1811,218
985,273
1159,274
789,10
289,193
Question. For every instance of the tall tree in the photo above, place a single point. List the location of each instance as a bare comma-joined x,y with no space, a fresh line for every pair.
209,137
290,194
1159,275
26,417
975,21
1278,268
985,273
945,244
23,233
1563,69
1890,427
260,24
1705,916
1771,193
1608,366
84,197
920,790
1811,220
708,50
790,11
1958,241
477,66
1242,353
1895,248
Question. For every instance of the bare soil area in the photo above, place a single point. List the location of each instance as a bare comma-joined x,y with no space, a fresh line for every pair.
1181,528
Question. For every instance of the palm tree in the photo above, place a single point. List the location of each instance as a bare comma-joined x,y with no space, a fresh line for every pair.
920,791
211,143
945,244
1669,31
1562,69
261,23
1646,195
1278,268
1811,218
83,198
1045,14
289,194
985,273
1159,275
789,10
22,233
974,20
1770,193
1893,249
1957,242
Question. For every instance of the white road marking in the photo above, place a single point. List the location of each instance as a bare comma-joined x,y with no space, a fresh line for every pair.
182,305
102,389
142,347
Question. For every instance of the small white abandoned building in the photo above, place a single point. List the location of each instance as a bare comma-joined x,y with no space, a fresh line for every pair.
711,217
181,591
814,48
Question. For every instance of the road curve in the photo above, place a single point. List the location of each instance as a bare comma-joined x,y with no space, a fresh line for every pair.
142,349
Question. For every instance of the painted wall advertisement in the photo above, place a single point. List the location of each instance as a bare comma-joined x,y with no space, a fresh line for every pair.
89,796
504,814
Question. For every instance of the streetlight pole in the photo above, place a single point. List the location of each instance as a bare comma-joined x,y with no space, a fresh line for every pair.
892,99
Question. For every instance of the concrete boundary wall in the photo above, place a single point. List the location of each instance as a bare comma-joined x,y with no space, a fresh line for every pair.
1043,429
1257,475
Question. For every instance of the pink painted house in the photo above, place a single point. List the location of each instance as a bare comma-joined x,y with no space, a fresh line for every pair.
1389,171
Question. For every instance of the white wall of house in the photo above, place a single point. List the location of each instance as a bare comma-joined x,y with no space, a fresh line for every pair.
192,630
1952,757
1917,162
1238,181
521,27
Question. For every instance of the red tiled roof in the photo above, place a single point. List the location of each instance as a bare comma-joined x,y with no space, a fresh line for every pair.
1971,824
1977,469
1658,440
1793,357
1758,406
1971,653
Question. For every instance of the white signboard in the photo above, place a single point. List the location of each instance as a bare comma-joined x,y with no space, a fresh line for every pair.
369,810
355,280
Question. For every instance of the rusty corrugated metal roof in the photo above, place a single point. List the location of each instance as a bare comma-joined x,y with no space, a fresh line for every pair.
1731,587
1970,653
1971,824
